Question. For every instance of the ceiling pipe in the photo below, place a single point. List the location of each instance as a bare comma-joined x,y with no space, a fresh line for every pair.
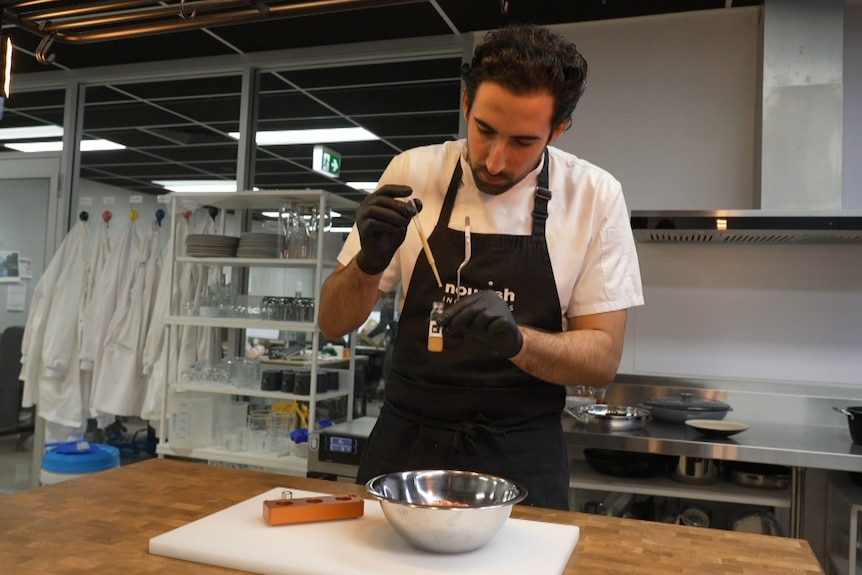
33,23
116,5
171,12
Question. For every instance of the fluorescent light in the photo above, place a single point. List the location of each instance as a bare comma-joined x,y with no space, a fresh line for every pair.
319,136
339,230
197,185
100,145
32,147
57,146
332,213
363,186
31,132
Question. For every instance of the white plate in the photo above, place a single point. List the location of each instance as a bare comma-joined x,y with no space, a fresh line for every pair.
716,427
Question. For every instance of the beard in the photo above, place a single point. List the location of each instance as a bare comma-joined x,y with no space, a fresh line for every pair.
495,184
499,183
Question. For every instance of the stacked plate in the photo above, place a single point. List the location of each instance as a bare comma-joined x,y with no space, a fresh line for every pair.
257,245
211,246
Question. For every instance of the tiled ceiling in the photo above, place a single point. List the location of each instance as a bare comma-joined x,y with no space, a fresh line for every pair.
178,128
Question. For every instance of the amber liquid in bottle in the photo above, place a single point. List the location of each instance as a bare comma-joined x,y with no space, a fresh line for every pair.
435,330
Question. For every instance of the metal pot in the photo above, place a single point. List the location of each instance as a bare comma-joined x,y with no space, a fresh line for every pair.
854,421
683,407
695,470
602,417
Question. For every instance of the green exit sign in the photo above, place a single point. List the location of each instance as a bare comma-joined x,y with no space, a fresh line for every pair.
326,161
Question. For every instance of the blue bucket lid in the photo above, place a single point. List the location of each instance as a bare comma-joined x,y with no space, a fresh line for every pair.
97,458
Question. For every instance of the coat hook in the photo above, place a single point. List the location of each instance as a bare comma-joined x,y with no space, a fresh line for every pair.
84,216
213,212
160,215
184,13
106,216
42,55
187,214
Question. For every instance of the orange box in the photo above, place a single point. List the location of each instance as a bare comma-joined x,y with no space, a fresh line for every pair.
287,510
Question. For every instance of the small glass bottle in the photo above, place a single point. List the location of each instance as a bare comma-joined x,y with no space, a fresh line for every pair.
435,330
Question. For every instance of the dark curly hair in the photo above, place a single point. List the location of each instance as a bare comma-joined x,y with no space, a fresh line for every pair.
527,59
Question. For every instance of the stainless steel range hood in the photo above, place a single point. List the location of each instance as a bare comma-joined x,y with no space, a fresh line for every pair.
748,226
798,173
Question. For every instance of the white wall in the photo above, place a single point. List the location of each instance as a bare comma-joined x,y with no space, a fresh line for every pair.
670,110
852,197
670,106
28,219
23,213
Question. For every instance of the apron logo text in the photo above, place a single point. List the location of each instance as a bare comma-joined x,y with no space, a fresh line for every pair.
451,291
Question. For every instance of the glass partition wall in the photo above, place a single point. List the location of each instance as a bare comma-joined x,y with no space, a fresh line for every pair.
148,138
150,128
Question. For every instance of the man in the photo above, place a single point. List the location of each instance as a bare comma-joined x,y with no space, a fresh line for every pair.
543,297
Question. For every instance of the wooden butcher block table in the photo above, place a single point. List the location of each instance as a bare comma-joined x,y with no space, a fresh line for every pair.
103,522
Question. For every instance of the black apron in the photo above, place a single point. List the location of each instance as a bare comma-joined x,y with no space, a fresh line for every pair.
464,408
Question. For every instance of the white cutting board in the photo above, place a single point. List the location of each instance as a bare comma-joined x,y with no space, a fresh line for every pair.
239,538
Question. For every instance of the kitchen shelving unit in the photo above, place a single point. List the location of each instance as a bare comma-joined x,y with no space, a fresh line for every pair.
583,477
239,202
726,499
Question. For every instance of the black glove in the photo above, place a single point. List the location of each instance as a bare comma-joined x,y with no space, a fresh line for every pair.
485,318
382,224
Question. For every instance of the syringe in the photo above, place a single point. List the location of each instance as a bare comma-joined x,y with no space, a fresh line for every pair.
425,245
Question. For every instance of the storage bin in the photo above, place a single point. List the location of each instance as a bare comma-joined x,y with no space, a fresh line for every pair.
58,465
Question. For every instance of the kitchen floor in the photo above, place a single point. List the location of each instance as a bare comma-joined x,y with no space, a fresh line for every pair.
16,452
16,462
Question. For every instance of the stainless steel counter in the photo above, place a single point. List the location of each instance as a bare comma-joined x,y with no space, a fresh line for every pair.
787,426
793,445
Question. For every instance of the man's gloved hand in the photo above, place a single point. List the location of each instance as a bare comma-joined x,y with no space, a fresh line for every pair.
382,224
485,318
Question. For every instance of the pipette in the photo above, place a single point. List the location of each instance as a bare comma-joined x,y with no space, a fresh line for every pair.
467,252
425,245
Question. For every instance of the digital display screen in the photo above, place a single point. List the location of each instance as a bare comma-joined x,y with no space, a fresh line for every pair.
341,445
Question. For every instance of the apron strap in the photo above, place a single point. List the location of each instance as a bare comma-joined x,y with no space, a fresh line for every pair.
449,201
540,204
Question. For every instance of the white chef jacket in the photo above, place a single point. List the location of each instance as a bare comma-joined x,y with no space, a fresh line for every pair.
118,275
40,308
51,345
100,257
588,233
171,293
118,387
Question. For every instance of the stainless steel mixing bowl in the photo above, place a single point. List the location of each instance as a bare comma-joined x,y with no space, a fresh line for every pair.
446,511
